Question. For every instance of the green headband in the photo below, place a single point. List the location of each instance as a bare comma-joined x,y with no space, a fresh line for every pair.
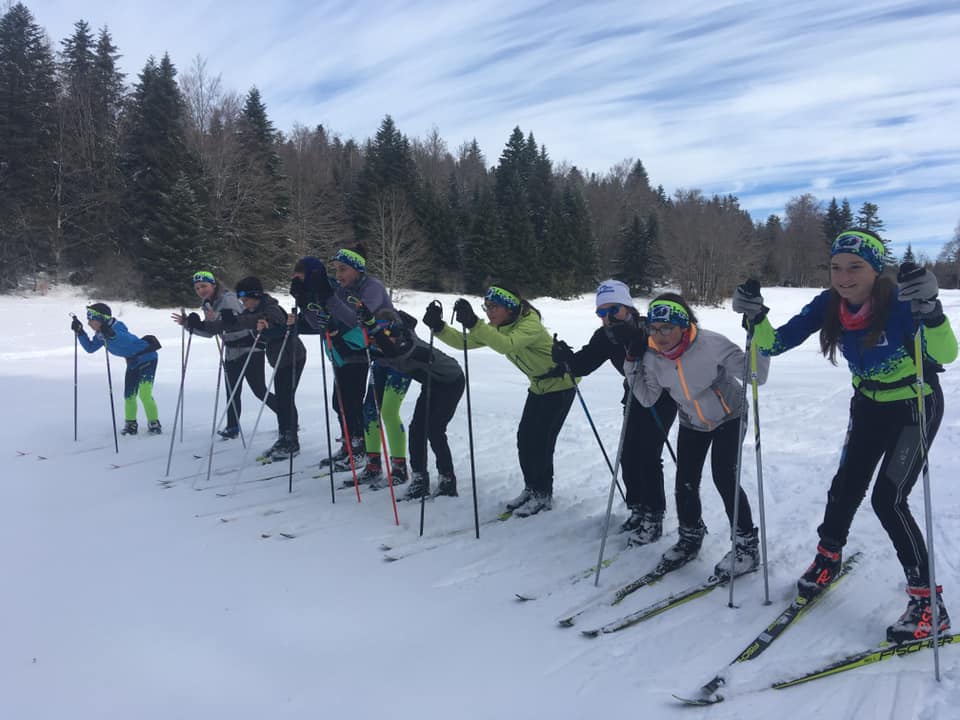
351,258
861,244
668,311
502,297
204,276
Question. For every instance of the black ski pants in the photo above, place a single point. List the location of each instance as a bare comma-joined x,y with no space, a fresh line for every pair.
540,424
285,382
255,381
641,461
887,433
432,425
692,446
350,387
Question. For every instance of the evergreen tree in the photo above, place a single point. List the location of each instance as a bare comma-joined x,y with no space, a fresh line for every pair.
833,222
155,162
908,256
846,215
28,146
518,263
867,219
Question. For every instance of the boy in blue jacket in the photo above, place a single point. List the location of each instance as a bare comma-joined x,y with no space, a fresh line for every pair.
141,357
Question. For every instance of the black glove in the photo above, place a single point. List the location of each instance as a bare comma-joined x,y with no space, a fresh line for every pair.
298,290
554,372
464,314
561,353
228,318
365,317
194,322
106,329
319,318
632,337
919,286
748,302
77,326
433,317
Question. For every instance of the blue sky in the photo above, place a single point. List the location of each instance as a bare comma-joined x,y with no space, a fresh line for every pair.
857,99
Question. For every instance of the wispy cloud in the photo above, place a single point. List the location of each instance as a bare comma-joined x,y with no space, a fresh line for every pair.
857,100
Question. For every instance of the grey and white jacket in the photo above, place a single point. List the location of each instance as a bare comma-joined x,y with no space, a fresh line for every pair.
236,343
705,381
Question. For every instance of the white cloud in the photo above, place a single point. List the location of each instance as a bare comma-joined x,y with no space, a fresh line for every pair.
860,100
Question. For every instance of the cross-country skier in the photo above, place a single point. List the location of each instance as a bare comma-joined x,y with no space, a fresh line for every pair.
872,323
701,370
263,314
214,299
514,329
646,431
141,357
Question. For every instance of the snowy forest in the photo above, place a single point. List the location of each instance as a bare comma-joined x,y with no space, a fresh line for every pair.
128,185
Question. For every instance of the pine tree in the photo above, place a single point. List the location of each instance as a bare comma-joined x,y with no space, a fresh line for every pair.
28,146
908,256
834,222
867,219
518,265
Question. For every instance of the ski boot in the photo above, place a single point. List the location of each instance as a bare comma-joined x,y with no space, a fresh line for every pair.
519,500
686,549
129,428
267,456
343,463
446,486
372,473
916,623
537,502
230,433
745,556
153,427
289,448
822,571
398,471
635,520
649,530
419,486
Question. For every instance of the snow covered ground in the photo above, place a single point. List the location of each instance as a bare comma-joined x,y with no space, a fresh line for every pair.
126,598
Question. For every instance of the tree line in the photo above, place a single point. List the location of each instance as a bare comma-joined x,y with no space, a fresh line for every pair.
129,189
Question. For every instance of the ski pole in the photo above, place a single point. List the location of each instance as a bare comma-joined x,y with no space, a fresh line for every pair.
326,418
473,470
113,410
907,271
243,372
183,374
754,288
344,427
756,436
613,472
228,387
293,429
596,434
177,416
273,376
426,416
372,389
76,340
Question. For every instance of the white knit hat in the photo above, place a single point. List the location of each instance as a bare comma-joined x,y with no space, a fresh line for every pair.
613,291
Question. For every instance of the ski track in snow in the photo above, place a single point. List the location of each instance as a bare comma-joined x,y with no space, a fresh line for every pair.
131,595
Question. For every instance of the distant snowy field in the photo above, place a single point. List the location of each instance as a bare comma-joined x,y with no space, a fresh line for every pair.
124,598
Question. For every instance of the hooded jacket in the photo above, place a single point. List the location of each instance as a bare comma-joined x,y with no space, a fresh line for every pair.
269,309
236,343
123,344
704,381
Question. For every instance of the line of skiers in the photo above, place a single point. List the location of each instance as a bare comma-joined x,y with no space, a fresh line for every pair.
671,366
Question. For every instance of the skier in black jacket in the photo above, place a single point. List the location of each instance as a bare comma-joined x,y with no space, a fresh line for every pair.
646,430
262,314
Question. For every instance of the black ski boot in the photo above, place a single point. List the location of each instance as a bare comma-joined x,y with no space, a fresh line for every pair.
289,446
745,557
916,623
398,471
446,486
343,463
635,519
686,549
372,473
153,427
649,530
419,486
129,428
230,433
538,502
822,571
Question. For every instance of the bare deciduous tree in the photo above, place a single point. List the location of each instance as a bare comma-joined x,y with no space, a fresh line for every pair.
398,250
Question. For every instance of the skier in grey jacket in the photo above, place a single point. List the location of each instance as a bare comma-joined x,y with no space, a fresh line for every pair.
215,298
701,371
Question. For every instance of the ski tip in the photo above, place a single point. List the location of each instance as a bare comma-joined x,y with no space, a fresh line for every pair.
288,536
590,633
390,558
505,515
700,701
525,598
385,548
565,622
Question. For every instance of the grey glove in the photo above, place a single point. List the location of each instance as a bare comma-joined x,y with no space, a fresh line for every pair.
748,301
919,286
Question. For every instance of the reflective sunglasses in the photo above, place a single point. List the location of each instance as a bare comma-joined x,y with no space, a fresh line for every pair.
612,310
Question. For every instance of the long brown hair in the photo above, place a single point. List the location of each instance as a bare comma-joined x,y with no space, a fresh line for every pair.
832,328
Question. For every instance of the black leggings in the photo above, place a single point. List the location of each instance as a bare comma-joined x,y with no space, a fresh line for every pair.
888,433
540,424
692,446
285,383
444,398
642,450
350,386
255,381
